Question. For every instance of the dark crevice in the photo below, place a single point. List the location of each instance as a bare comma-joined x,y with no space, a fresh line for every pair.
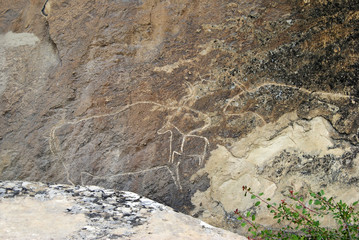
43,9
52,42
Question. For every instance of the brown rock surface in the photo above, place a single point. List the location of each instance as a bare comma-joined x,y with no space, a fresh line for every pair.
181,101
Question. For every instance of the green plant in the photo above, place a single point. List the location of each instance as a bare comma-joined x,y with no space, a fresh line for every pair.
300,219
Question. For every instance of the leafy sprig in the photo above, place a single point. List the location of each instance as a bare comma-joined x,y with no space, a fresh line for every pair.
302,220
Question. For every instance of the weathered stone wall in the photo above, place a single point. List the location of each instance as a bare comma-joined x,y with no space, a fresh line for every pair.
182,101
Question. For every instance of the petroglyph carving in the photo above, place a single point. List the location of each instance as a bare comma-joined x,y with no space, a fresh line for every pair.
321,94
268,84
180,142
168,127
173,175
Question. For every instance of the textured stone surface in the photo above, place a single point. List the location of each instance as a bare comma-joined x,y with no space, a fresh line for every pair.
30,210
291,154
181,101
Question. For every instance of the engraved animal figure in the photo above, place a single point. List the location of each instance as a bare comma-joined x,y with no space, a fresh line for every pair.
179,143
182,144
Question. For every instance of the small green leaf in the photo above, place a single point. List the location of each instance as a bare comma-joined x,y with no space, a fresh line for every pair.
269,206
355,203
301,199
253,217
248,214
313,194
298,206
243,224
257,203
261,194
253,197
240,218
317,202
310,202
294,237
321,192
268,199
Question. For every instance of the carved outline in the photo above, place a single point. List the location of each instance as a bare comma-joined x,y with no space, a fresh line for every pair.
255,89
55,149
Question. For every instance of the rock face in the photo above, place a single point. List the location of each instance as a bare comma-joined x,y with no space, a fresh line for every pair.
182,101
31,210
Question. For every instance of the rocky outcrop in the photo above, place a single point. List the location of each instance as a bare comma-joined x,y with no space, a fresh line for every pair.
288,155
31,210
181,101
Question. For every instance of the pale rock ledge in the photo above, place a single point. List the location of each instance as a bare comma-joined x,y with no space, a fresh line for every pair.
30,210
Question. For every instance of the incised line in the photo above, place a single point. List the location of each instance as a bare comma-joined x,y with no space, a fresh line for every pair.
167,129
253,90
132,173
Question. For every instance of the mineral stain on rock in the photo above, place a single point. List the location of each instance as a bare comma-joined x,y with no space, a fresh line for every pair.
141,95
